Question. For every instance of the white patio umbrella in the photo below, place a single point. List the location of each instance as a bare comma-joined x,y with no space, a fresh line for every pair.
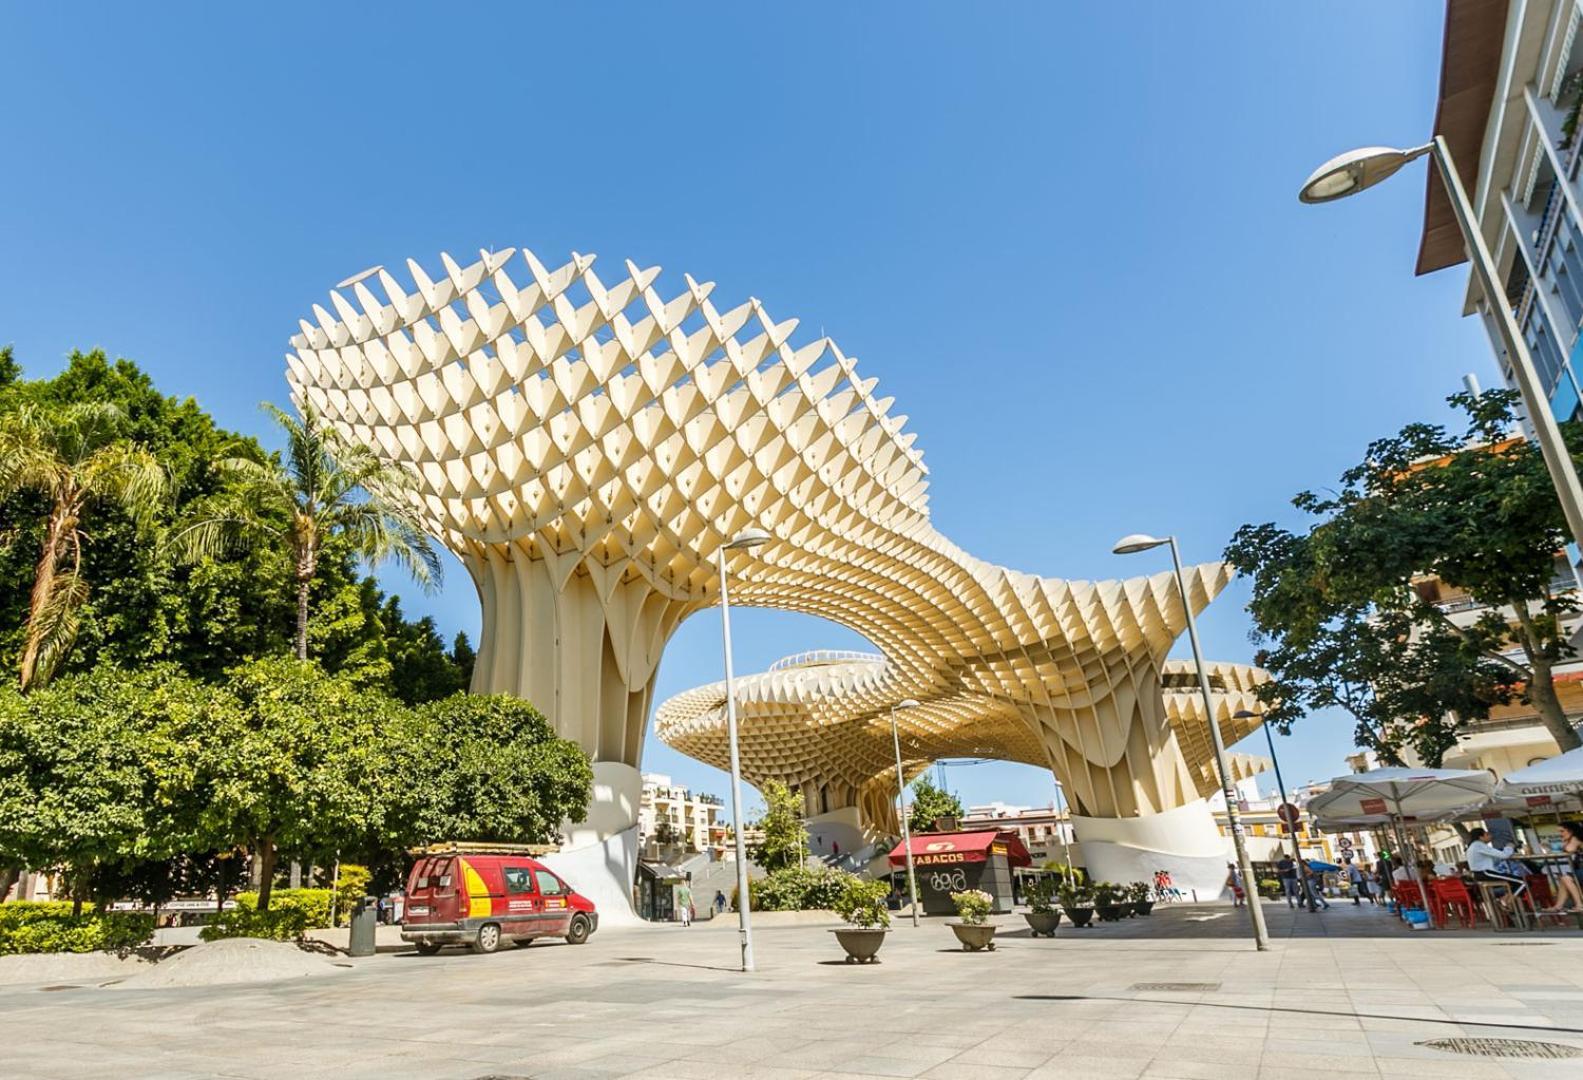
1560,775
1401,794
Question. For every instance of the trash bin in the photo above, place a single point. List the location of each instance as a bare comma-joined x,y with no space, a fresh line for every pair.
365,919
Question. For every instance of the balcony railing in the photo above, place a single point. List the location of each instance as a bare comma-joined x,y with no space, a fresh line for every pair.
1561,583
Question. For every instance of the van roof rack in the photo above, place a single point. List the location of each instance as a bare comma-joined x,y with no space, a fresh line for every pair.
469,847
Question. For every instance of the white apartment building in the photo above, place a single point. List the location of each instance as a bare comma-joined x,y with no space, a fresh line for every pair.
670,817
1508,92
1045,831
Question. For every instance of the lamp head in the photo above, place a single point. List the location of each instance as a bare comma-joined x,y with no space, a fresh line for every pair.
905,703
1244,714
747,538
1346,174
1137,542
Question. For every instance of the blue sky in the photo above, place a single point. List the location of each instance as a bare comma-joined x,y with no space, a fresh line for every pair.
1065,238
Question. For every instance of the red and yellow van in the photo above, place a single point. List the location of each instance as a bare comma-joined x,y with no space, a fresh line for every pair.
480,896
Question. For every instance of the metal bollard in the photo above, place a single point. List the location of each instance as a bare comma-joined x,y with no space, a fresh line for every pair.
365,920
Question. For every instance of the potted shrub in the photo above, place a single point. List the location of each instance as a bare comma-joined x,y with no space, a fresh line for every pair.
1042,914
1140,893
973,928
1077,900
861,906
1108,901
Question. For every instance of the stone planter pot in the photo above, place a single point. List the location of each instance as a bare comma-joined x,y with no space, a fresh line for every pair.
1144,906
1042,922
1080,916
1111,912
861,943
974,936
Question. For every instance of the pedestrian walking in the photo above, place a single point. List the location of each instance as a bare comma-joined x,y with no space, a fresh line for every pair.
1357,882
1286,871
1316,888
720,902
684,902
1234,882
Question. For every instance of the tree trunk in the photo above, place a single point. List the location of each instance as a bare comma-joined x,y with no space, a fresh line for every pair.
266,878
302,616
43,588
1541,686
8,879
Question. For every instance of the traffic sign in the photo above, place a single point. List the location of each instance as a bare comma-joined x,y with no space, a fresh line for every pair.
1288,813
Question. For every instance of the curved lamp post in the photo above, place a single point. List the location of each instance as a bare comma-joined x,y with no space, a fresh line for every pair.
1356,170
901,811
747,538
1129,545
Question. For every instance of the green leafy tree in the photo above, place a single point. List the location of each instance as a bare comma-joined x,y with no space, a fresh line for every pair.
322,489
145,606
420,667
930,804
302,765
73,458
785,842
99,774
141,608
1343,622
486,768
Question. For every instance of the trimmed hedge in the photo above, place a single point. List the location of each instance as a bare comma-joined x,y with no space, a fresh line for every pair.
313,903
798,888
292,912
276,924
50,927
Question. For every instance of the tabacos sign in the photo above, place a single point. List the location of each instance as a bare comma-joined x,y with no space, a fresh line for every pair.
945,853
939,853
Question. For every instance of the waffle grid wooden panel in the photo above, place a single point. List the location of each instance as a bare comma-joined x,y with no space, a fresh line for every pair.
585,446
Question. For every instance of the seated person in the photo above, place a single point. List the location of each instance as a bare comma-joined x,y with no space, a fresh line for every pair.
1568,890
1492,864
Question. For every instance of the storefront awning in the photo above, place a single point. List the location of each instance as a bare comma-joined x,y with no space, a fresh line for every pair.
660,871
946,849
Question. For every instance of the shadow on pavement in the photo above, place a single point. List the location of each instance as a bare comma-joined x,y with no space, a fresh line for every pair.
1351,1015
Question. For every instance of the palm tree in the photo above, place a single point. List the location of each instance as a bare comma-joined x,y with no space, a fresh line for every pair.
74,458
321,487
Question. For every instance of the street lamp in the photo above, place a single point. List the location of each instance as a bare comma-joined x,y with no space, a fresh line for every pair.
1129,545
747,538
901,811
1359,169
1280,785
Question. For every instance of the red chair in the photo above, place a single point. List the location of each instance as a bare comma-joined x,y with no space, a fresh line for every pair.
1539,889
1407,896
1450,895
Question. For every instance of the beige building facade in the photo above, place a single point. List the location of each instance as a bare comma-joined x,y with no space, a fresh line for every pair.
587,443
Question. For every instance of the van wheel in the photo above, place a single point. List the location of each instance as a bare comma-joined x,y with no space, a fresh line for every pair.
488,939
427,948
577,933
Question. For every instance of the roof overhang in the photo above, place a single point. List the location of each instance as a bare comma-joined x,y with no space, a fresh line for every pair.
1469,66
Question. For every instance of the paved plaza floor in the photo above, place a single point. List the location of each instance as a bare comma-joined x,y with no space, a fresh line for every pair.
1342,994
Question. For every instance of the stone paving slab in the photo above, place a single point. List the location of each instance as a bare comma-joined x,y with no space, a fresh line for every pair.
1346,993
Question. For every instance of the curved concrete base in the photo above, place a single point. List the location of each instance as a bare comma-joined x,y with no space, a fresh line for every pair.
842,827
600,856
1183,842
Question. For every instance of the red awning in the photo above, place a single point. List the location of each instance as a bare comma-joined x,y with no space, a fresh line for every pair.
945,849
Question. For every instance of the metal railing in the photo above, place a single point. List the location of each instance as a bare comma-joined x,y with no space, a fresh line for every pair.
822,657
